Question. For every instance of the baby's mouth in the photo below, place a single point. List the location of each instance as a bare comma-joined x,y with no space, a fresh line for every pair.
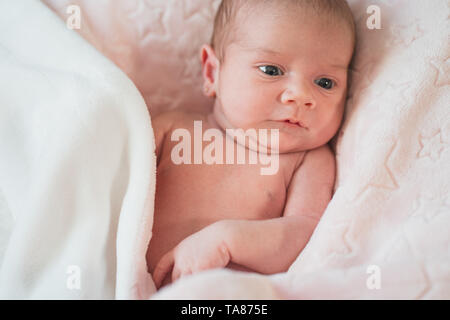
294,122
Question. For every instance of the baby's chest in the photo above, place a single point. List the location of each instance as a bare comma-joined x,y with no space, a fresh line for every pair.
244,187
223,191
207,180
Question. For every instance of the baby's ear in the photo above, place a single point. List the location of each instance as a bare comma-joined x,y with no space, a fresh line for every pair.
210,67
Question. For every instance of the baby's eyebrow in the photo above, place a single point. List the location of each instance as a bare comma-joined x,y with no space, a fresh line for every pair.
277,53
339,66
261,49
267,50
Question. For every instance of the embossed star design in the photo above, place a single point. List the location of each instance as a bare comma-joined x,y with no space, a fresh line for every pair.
343,245
443,71
198,7
392,97
406,34
379,176
429,207
384,177
162,98
152,17
431,147
191,70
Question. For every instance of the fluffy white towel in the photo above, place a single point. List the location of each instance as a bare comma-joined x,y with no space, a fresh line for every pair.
77,165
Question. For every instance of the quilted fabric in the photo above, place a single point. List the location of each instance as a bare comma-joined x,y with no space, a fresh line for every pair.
155,42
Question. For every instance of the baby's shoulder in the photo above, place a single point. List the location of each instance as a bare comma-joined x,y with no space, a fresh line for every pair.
324,152
319,158
175,119
169,116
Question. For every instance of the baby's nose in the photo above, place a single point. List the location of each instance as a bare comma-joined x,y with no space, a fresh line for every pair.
300,95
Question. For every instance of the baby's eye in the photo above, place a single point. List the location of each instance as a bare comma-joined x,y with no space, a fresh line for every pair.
271,71
325,83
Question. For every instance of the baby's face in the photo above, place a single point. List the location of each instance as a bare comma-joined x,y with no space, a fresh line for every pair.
285,73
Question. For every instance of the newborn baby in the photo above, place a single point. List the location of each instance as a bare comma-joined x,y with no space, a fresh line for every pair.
275,65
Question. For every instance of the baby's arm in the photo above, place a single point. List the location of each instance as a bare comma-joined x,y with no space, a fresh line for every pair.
271,246
265,246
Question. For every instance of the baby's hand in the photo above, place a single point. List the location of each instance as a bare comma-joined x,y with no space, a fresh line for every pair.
200,251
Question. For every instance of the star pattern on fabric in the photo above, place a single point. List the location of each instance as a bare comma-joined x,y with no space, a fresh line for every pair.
191,70
162,98
343,246
154,17
191,8
431,147
385,178
347,248
429,207
393,89
391,97
379,176
443,71
406,34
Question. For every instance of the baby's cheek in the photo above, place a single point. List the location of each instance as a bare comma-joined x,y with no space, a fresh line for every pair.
239,108
331,126
322,128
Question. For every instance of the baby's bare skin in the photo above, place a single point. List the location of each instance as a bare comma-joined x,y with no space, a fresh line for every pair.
278,75
191,197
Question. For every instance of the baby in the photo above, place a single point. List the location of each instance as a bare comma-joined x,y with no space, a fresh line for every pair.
274,65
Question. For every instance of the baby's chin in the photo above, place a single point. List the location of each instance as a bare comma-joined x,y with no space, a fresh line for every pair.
288,140
285,146
299,145
292,148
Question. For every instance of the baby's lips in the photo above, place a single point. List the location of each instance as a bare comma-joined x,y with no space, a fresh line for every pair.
295,121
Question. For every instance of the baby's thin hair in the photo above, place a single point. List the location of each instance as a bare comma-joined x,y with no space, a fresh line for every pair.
225,24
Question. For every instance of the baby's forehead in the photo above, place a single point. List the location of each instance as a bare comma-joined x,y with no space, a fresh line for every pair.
274,13
252,20
305,44
259,29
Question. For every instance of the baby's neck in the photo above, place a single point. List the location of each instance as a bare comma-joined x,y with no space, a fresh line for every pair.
211,119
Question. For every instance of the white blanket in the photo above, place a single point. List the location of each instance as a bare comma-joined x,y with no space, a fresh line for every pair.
77,165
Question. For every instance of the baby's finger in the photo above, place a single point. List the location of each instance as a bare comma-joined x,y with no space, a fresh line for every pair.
162,268
177,273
